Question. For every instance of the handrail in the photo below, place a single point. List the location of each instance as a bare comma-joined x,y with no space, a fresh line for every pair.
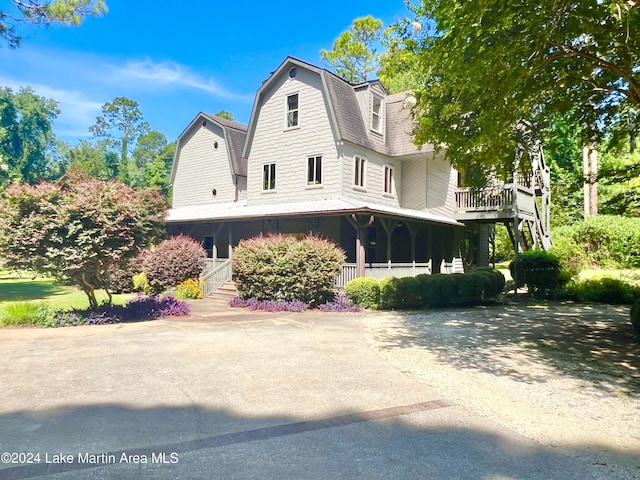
217,277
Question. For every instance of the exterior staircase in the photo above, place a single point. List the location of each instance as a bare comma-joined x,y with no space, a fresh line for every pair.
225,293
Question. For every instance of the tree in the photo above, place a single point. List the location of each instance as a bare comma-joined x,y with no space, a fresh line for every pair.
354,56
226,115
79,230
121,124
26,133
65,12
487,65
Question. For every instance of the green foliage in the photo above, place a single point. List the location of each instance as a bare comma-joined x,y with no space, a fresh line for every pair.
77,230
390,293
619,187
141,283
26,313
354,56
283,268
634,315
573,257
191,288
613,291
539,271
65,12
476,86
605,241
226,115
410,293
26,135
504,247
172,262
364,291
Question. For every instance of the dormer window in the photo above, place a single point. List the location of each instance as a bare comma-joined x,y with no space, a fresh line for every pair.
292,110
376,114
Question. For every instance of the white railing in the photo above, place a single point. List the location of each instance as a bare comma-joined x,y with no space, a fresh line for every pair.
382,270
211,263
217,277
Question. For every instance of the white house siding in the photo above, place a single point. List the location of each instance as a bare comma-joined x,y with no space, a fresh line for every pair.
242,188
414,183
202,168
441,184
290,148
374,186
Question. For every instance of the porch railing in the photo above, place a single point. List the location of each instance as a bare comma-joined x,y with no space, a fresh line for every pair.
381,270
215,278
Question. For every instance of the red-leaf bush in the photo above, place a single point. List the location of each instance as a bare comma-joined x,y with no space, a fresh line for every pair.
284,268
172,262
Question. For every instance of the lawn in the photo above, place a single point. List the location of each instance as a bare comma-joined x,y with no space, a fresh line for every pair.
15,286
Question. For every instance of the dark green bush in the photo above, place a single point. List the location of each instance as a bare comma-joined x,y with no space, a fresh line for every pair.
635,319
603,290
410,293
389,293
283,268
469,288
364,291
573,257
494,283
429,289
539,271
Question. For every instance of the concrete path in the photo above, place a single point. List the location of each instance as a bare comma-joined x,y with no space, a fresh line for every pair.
230,394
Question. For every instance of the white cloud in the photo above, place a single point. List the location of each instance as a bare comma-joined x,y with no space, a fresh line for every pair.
174,74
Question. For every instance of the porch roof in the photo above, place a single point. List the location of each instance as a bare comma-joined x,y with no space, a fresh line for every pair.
237,211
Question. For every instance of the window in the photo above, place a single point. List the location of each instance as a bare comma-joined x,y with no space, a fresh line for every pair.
292,110
376,114
314,170
359,171
269,176
388,180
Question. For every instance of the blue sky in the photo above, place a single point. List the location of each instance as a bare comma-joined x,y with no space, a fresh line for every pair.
174,58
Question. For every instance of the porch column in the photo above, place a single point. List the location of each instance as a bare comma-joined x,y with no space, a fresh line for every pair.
360,248
216,231
389,226
413,231
230,241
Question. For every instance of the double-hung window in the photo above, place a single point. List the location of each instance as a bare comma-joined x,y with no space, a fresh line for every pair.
314,170
360,166
376,114
388,180
269,177
292,110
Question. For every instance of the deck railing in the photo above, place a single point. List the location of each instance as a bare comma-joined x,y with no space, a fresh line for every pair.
484,200
217,277
381,270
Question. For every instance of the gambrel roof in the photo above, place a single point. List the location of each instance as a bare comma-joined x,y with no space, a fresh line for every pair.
234,134
346,116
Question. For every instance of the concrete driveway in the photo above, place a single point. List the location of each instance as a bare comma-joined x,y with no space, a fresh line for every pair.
230,394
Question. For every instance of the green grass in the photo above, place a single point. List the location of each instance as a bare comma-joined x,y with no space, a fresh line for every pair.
23,287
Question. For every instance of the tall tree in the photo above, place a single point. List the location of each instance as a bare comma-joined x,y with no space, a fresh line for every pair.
121,124
354,56
226,115
149,146
26,133
65,12
486,65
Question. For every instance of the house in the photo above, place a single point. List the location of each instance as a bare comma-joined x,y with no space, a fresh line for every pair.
321,155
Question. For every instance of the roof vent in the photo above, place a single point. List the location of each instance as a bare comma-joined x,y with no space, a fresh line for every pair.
293,72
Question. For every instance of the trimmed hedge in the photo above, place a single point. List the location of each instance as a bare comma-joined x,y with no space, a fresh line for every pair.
613,291
539,271
364,291
283,268
433,291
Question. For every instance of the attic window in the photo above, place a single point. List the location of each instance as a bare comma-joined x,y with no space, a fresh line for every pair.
293,72
292,110
376,114
215,145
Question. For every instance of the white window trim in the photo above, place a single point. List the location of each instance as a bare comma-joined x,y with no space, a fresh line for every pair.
363,172
286,111
275,170
392,185
321,183
380,114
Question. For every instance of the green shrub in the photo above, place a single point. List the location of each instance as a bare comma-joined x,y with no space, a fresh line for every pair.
364,291
604,240
635,319
613,291
504,248
172,262
283,268
539,271
573,257
389,293
26,313
429,289
494,281
191,288
141,283
410,293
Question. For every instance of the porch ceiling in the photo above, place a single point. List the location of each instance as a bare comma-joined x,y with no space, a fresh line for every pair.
238,211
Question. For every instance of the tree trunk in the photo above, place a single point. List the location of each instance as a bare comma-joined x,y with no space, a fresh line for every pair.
590,172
